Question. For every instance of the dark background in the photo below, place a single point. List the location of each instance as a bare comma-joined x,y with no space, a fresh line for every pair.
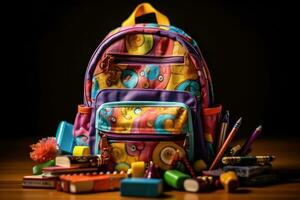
49,43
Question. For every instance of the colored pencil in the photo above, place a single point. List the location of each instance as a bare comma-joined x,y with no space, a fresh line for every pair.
250,140
226,144
223,130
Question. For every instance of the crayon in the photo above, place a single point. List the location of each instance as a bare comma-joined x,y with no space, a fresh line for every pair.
229,180
175,178
247,160
246,147
223,130
226,144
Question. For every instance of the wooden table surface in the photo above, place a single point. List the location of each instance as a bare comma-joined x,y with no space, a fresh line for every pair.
15,163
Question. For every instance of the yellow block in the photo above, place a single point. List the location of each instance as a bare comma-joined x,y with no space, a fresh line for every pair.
81,151
229,181
138,169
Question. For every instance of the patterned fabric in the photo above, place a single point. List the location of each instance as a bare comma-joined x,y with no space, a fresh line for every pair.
147,57
143,119
145,74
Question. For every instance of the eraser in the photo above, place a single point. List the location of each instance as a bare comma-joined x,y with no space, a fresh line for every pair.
138,169
191,185
201,183
38,169
81,151
64,137
141,187
175,178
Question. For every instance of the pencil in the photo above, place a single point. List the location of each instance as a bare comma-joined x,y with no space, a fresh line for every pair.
248,143
226,144
223,130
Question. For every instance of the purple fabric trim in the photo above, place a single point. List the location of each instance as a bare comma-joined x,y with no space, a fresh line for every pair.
109,95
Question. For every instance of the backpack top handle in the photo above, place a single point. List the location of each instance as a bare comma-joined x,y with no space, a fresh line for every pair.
143,9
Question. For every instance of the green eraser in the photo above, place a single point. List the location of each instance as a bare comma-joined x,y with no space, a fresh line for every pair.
175,178
38,169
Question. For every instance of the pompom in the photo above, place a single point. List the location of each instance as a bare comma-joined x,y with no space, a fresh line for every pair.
46,149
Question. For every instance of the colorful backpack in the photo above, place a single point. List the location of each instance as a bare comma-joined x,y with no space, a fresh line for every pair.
148,92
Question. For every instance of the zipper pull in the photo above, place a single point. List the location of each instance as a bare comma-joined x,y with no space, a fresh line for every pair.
103,143
105,155
106,63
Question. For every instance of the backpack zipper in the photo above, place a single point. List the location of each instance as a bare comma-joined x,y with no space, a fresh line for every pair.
144,137
118,58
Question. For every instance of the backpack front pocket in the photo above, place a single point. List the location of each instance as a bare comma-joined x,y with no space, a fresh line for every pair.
119,70
146,122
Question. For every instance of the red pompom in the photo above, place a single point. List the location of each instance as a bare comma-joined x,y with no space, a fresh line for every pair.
46,149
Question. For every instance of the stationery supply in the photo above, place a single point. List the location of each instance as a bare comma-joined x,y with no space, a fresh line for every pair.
78,161
226,144
259,180
247,160
235,150
246,147
201,183
39,181
248,171
214,172
38,169
91,183
229,180
142,187
64,137
223,130
148,113
56,171
81,151
138,169
175,178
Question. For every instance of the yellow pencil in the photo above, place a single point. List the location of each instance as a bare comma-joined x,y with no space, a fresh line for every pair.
226,144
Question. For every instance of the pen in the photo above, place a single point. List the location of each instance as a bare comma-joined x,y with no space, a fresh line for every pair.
247,160
246,147
226,144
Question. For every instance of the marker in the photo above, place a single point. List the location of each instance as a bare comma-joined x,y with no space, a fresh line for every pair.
247,160
246,147
226,144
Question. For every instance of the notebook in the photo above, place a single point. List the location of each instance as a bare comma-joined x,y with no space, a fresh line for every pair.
91,182
77,161
39,181
57,170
